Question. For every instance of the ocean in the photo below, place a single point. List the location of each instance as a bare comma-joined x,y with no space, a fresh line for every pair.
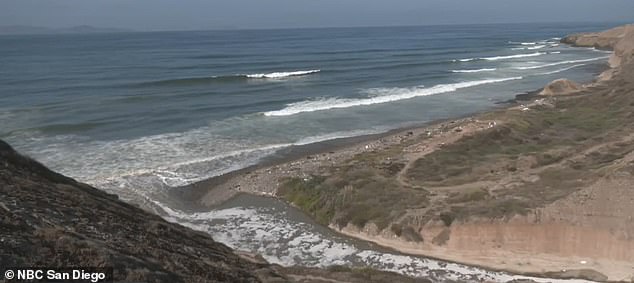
138,113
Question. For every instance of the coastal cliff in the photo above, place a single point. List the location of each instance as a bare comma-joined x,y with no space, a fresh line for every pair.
620,40
543,187
50,220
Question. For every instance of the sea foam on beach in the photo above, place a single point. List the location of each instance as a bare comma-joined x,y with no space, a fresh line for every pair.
285,236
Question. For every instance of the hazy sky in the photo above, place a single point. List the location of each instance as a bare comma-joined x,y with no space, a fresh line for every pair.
223,14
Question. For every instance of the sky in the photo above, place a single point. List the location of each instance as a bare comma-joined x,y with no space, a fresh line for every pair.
152,15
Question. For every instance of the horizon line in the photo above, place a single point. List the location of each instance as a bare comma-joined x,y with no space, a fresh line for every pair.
132,30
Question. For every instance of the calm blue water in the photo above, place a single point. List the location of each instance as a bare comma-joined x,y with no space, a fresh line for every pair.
138,112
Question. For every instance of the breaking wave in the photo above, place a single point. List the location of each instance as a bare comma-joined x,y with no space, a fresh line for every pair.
228,78
522,43
561,70
496,58
379,95
474,71
560,63
529,48
278,75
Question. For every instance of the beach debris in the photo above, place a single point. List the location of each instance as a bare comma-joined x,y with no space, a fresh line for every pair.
492,124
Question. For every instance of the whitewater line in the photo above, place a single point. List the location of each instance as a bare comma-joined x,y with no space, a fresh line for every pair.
278,75
385,96
474,71
561,63
496,58
561,70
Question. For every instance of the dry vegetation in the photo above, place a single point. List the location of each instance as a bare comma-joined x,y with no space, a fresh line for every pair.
529,159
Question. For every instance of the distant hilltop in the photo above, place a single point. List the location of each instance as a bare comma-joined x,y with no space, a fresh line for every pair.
19,29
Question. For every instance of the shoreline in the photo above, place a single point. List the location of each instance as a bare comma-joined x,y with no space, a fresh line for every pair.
580,272
301,161
189,195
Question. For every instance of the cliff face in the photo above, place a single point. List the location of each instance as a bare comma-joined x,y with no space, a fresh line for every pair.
619,39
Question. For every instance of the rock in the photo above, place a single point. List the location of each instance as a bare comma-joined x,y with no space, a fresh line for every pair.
560,87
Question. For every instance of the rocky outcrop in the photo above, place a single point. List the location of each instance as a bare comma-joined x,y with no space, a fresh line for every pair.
619,39
560,87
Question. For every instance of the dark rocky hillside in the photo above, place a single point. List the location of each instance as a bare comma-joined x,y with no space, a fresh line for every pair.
51,220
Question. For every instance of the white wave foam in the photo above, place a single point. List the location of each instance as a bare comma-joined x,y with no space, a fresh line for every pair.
513,56
561,70
536,47
496,58
466,60
474,71
381,96
137,169
555,52
599,50
269,231
560,63
278,75
529,48
522,43
338,135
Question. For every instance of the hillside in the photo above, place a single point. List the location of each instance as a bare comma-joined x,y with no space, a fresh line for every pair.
542,187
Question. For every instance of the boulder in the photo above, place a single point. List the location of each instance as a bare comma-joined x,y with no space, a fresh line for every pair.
560,87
